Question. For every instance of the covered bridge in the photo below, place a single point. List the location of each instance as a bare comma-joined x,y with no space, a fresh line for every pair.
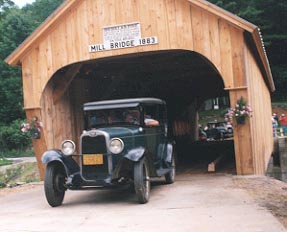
183,51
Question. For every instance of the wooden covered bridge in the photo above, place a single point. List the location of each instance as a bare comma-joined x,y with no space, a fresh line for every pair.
183,51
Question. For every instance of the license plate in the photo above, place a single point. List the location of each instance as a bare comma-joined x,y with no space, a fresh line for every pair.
93,159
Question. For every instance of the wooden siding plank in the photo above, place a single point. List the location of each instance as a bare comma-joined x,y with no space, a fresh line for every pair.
43,67
225,53
262,137
27,77
238,66
215,55
83,29
171,22
197,29
49,57
206,35
70,44
201,31
183,28
35,88
242,140
161,21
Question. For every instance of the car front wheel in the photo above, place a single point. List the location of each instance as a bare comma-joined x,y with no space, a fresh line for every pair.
55,177
142,181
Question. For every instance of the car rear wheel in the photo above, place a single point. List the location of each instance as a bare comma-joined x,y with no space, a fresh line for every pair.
170,176
142,181
55,177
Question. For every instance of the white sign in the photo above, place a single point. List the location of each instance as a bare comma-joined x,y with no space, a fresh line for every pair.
122,32
123,44
122,36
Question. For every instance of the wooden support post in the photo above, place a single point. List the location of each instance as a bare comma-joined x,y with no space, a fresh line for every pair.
39,144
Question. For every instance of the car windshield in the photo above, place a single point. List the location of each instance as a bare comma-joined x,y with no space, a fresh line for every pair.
105,117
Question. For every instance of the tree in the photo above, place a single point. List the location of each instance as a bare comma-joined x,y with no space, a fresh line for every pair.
5,5
15,26
40,10
269,16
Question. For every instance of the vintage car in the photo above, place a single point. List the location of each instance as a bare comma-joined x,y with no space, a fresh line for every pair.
124,142
218,130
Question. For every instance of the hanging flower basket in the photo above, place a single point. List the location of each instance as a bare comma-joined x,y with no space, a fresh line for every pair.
33,128
241,112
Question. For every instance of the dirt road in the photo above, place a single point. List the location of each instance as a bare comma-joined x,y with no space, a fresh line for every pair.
198,203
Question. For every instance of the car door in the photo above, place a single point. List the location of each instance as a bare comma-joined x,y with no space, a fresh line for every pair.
154,132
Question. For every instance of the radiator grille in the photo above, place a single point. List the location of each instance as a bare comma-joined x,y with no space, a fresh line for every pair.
95,145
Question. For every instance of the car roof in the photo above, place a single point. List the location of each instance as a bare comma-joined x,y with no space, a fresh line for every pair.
121,103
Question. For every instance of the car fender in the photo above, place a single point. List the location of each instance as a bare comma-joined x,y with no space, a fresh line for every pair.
135,154
52,155
68,162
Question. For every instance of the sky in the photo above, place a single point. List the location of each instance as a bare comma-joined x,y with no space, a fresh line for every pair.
22,3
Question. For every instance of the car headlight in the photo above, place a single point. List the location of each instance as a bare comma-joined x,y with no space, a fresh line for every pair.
68,147
116,146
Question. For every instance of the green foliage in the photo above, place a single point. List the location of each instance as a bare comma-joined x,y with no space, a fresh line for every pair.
11,137
246,9
15,26
11,100
40,10
5,6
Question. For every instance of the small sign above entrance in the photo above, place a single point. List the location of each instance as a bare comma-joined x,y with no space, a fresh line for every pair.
122,36
130,31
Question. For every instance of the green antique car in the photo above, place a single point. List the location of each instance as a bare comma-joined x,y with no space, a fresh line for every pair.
125,142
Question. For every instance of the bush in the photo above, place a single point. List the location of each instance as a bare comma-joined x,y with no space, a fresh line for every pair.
28,152
12,138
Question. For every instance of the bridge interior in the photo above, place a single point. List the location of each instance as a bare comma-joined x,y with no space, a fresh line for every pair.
184,79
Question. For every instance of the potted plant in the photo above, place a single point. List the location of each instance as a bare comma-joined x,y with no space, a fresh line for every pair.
33,128
241,112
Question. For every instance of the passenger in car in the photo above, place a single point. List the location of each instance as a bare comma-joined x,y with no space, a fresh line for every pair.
150,122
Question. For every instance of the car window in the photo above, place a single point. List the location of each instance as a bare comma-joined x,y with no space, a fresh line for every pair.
106,117
151,115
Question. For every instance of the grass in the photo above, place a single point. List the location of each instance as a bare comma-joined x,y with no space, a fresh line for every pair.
25,172
4,162
17,153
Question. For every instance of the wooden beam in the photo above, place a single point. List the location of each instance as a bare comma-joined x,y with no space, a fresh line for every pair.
62,82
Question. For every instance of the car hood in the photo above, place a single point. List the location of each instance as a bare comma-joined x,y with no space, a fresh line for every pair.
121,131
